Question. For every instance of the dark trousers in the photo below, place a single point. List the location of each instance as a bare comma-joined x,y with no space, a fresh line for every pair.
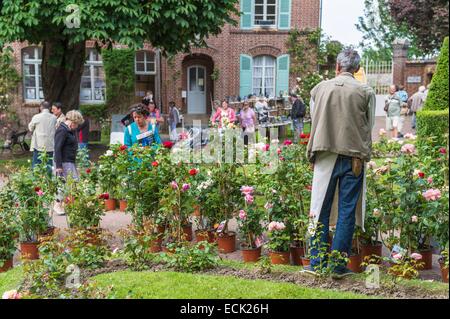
350,187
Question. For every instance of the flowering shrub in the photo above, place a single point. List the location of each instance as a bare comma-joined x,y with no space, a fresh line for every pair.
198,257
249,219
9,228
405,266
279,237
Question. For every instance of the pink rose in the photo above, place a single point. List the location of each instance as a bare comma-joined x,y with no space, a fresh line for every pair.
432,194
416,256
11,294
247,190
280,226
414,219
186,187
242,214
174,185
408,149
430,180
249,198
40,193
279,151
287,142
397,256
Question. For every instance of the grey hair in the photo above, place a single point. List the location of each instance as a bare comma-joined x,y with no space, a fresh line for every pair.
349,60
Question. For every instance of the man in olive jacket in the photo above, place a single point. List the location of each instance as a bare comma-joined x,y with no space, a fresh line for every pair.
342,118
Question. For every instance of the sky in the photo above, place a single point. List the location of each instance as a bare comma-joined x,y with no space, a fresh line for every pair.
339,18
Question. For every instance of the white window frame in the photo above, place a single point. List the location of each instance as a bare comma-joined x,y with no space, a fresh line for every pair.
145,72
265,4
91,63
38,74
264,67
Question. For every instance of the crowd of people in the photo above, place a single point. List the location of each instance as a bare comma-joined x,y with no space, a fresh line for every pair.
398,106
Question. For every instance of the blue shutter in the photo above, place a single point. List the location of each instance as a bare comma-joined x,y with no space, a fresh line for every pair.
246,15
246,76
282,74
284,14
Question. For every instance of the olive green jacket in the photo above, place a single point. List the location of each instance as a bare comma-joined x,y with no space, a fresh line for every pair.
342,117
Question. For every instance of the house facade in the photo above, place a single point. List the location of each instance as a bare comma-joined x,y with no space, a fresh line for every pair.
249,58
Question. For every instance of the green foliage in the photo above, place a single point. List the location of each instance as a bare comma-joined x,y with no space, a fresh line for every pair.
119,71
97,112
437,98
199,257
9,227
433,123
9,78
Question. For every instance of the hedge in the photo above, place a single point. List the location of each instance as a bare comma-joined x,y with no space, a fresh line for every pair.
433,123
437,98
120,78
94,111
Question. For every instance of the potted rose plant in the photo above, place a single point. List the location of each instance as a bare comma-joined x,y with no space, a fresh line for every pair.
108,178
279,242
250,228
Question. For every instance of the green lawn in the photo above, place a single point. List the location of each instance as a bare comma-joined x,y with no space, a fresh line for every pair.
174,285
10,280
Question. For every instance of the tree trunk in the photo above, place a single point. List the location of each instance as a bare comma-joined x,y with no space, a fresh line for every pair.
62,67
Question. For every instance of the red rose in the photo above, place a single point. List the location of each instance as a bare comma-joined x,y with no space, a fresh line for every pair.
193,172
104,196
155,164
287,142
443,150
37,189
168,144
123,147
421,174
303,135
88,171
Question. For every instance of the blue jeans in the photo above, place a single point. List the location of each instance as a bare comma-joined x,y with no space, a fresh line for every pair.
350,187
36,160
297,128
82,145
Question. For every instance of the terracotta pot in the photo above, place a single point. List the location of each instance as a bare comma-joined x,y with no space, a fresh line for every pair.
110,204
7,265
123,205
156,246
187,231
203,235
226,243
369,250
427,259
279,257
251,255
444,271
296,255
29,250
305,261
354,263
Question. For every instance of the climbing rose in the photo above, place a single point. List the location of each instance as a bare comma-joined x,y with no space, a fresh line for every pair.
416,256
242,214
408,149
432,194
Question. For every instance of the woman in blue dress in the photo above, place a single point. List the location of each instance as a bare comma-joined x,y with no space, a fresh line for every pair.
141,131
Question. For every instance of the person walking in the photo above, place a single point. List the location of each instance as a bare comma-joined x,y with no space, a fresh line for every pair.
403,95
66,147
298,112
57,111
247,119
342,115
392,108
415,104
43,127
173,120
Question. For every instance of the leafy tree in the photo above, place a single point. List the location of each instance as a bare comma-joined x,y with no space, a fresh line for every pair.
437,98
426,19
380,30
62,28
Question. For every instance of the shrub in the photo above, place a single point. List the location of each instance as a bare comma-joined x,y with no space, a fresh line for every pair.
187,258
437,98
433,123
94,111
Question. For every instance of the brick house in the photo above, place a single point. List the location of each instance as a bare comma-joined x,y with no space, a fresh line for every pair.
250,58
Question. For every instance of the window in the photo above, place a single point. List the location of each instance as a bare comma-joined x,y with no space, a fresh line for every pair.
145,63
265,12
32,78
93,79
264,76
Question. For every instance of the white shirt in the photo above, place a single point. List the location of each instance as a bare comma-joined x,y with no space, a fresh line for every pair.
43,128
